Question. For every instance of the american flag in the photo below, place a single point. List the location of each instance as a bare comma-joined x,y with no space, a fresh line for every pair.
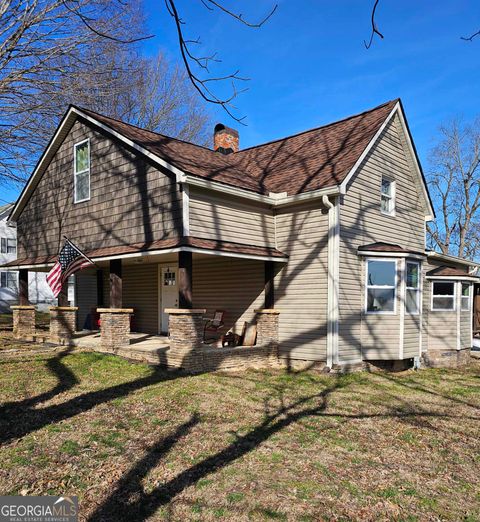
70,260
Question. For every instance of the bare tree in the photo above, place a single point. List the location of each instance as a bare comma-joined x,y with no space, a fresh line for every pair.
147,92
43,43
454,179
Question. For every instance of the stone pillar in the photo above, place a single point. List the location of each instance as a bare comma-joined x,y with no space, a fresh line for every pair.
267,329
114,327
23,322
63,321
185,327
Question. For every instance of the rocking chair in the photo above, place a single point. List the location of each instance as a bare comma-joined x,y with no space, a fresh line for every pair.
213,326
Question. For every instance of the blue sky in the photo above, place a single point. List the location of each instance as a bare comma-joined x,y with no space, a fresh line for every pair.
308,65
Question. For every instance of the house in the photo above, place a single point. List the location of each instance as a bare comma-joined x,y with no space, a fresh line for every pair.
319,237
39,292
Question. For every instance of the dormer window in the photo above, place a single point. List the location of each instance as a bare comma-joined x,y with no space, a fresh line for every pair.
81,169
387,204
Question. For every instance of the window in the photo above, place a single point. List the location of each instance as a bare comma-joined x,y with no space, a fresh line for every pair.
443,296
465,297
8,280
169,278
387,205
381,286
412,296
81,167
8,245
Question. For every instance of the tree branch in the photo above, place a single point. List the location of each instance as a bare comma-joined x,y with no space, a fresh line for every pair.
374,27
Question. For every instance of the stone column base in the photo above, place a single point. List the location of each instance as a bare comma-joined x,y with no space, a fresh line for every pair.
446,358
185,326
114,327
63,322
23,322
267,329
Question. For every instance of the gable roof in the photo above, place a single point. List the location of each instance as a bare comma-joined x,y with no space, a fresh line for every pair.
318,159
5,209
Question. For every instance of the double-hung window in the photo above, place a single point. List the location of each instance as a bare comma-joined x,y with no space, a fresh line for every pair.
443,296
465,297
412,287
81,171
8,280
8,245
387,203
381,286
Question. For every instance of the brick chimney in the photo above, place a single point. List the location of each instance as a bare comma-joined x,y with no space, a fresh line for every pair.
225,139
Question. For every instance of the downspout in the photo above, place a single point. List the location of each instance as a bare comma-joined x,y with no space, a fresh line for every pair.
333,279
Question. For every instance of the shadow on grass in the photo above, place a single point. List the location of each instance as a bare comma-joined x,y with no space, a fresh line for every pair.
19,418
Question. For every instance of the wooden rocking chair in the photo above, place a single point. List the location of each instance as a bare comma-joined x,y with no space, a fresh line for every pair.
213,326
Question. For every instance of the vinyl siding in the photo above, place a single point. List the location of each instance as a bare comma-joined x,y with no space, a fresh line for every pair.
217,216
131,200
85,295
440,330
361,223
140,292
301,284
233,285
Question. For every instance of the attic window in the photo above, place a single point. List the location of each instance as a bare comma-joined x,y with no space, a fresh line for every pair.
81,170
387,204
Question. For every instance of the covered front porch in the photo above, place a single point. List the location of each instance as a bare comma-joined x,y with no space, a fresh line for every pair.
152,306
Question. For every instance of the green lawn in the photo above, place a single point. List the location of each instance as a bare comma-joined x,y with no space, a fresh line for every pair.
135,443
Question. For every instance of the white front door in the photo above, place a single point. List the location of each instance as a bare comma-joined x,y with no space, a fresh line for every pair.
169,292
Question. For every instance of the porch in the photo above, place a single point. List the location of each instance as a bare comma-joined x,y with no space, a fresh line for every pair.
143,306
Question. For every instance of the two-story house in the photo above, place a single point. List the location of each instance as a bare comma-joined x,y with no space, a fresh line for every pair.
325,229
39,292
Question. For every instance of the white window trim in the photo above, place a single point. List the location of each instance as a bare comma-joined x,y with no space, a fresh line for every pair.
392,197
75,173
367,286
454,297
15,280
467,298
418,289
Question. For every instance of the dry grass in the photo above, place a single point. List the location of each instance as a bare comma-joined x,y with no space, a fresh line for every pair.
135,443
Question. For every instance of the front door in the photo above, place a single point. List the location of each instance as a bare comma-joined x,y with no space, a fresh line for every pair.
169,292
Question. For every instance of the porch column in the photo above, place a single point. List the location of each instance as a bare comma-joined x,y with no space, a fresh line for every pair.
267,329
116,286
269,284
63,296
63,321
23,288
185,280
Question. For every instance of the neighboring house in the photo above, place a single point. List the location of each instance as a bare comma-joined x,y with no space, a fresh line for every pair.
39,291
326,226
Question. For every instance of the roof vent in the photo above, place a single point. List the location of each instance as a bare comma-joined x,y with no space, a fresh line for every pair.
225,139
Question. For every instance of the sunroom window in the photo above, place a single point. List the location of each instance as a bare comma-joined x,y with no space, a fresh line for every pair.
381,286
387,204
412,296
465,297
82,171
443,296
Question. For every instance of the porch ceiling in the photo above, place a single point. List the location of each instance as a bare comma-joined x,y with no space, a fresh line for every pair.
155,251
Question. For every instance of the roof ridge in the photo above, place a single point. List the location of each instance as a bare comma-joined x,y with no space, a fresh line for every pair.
396,100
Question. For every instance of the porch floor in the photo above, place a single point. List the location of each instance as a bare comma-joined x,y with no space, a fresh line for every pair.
143,347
